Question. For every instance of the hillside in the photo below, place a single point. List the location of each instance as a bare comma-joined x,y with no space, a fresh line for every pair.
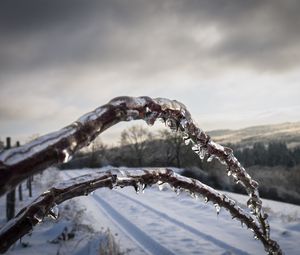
286,132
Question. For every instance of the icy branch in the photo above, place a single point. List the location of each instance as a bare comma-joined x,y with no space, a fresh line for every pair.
19,163
43,206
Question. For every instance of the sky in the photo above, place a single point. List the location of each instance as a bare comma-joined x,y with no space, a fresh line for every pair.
232,63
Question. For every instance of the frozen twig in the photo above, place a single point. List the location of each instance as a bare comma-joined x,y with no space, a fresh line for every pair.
43,206
19,163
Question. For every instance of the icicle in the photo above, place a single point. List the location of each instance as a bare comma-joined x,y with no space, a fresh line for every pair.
137,188
206,199
172,124
210,158
218,208
195,148
187,141
202,153
39,216
194,195
254,184
177,190
183,124
68,157
144,186
53,213
161,187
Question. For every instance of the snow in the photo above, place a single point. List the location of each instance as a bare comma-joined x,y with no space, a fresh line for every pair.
161,222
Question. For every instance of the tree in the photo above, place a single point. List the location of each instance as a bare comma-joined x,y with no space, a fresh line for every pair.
97,153
135,139
173,145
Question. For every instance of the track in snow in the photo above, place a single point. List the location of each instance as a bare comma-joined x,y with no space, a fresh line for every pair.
144,240
147,242
186,227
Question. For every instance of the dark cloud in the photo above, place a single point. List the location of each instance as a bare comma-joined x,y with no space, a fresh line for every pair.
149,36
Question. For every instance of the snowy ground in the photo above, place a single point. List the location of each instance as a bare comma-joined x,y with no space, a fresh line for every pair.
160,222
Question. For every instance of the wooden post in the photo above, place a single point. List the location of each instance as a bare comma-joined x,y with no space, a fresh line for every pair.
11,195
29,185
20,191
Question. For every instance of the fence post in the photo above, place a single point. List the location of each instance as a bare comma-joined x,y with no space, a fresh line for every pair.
29,185
11,195
20,191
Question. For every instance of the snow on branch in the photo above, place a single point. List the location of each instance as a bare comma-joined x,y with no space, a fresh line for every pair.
46,203
19,163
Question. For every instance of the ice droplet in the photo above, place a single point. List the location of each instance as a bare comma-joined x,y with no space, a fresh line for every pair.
67,156
187,141
202,153
254,184
144,186
53,212
137,188
183,124
194,195
161,186
172,124
255,237
210,158
195,148
177,190
229,173
218,208
206,199
39,215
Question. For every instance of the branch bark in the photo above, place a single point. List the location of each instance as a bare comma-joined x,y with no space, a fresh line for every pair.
19,163
34,213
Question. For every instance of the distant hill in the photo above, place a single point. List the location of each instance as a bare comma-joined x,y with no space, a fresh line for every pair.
285,132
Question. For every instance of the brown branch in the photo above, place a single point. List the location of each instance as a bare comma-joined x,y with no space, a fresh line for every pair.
19,163
34,213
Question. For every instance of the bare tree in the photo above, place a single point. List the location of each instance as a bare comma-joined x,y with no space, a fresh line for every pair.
173,145
136,138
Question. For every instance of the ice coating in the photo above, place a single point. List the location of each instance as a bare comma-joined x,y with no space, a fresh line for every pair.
15,155
61,145
139,179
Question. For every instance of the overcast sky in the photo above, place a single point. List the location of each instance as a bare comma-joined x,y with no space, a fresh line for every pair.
232,63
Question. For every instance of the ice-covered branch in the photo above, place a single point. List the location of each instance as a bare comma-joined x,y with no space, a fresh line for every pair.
18,163
46,203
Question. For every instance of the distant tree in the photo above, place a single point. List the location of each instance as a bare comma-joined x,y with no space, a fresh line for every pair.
260,154
173,147
296,155
279,155
136,139
97,153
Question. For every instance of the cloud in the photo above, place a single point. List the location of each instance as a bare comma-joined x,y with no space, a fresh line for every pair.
77,54
150,36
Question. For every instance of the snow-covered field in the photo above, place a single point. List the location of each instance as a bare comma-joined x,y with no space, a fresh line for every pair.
161,222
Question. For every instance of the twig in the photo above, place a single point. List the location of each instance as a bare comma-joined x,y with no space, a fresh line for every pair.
34,213
19,163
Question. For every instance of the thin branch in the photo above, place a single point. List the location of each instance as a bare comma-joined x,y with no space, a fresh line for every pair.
34,213
19,163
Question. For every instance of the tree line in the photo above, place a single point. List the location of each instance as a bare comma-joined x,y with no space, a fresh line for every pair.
140,147
271,154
